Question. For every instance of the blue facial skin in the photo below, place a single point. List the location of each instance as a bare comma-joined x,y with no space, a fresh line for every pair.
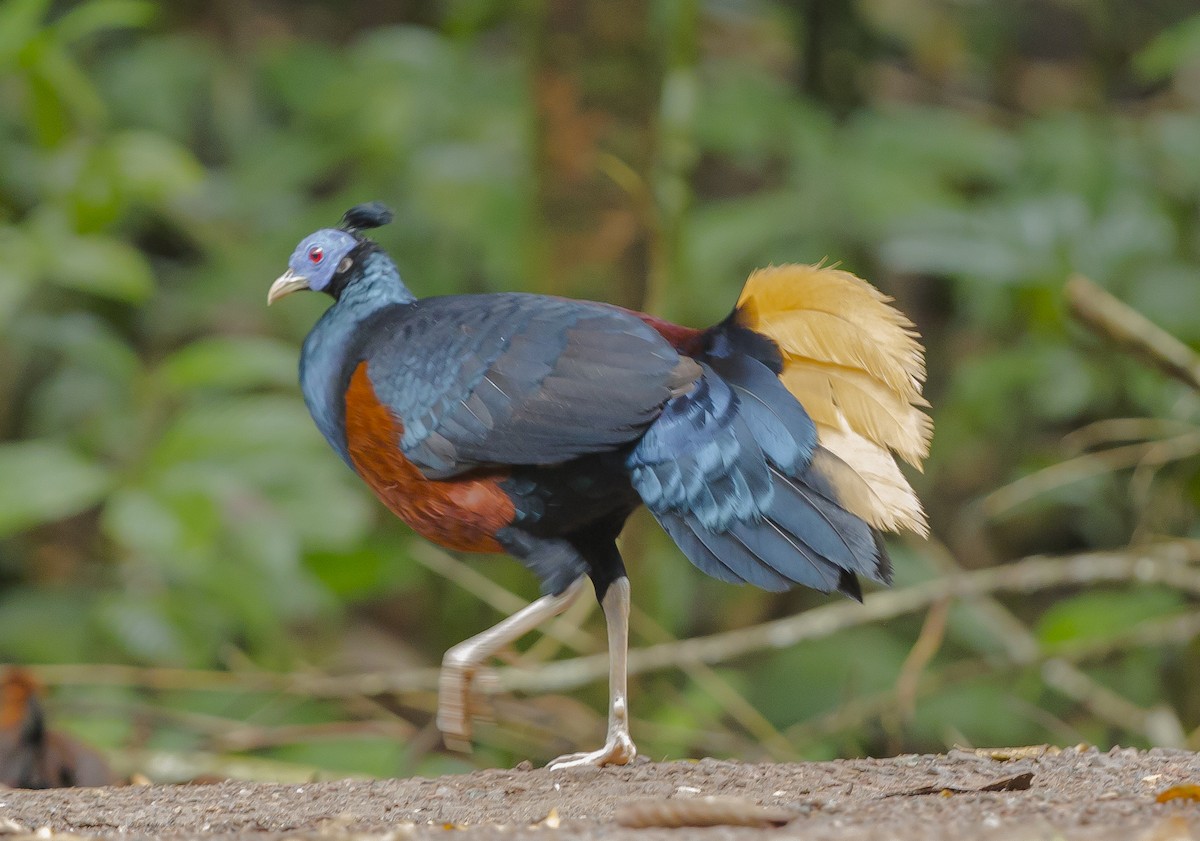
318,256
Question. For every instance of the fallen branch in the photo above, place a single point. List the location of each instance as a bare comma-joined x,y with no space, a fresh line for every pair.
1165,563
314,685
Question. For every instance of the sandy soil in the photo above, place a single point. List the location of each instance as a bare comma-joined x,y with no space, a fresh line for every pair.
1072,794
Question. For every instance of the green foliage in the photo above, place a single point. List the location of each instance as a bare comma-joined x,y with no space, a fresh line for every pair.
825,676
166,501
44,482
1171,51
1105,615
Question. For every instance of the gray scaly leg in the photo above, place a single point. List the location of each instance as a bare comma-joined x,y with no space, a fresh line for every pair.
461,663
618,747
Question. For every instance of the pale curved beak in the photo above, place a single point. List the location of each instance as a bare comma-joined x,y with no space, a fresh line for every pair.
287,283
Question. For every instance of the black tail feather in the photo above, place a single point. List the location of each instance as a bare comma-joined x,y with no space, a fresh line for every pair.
848,585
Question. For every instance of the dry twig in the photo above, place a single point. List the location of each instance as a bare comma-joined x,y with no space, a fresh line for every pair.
1119,323
1143,454
933,632
1103,433
1164,563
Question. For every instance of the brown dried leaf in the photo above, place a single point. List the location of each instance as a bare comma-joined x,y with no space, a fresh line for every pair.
1021,782
705,811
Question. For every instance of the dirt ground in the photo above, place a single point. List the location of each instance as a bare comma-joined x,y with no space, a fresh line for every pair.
1071,794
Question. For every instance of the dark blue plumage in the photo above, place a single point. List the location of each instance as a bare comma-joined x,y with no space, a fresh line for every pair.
333,347
513,379
715,446
535,425
726,470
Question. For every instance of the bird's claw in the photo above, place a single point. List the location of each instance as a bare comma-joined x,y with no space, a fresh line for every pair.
618,750
463,690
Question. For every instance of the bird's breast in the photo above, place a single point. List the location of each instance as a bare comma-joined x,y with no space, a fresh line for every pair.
462,513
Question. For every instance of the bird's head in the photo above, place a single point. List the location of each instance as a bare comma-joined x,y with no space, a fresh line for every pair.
324,260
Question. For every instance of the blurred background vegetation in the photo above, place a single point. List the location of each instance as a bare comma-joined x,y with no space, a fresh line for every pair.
203,585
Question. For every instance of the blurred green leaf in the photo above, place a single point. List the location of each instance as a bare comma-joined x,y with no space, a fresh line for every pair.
44,481
162,84
19,21
1169,137
1170,50
102,266
153,169
85,340
830,677
230,430
47,624
373,566
749,114
947,242
143,629
981,711
143,522
327,506
18,271
93,16
231,363
1168,294
62,93
1105,614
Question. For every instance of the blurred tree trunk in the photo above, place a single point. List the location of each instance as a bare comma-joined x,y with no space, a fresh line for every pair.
597,76
837,49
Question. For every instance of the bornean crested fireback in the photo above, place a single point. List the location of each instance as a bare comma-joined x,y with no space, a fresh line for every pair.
535,425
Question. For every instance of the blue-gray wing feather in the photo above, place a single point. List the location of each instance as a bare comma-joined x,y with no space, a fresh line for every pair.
518,379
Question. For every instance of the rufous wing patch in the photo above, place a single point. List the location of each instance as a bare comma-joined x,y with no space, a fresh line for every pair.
462,513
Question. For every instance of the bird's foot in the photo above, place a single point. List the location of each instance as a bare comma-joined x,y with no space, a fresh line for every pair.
463,690
463,676
618,750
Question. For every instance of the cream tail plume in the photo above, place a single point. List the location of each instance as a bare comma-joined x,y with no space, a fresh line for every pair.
857,366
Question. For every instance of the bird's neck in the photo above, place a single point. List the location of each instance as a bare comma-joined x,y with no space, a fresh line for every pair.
334,347
377,285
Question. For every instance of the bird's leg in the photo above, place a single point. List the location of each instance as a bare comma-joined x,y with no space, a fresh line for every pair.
462,662
618,747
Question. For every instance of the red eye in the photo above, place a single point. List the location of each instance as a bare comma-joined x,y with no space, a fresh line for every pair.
316,254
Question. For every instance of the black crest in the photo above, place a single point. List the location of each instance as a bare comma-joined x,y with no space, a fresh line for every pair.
363,217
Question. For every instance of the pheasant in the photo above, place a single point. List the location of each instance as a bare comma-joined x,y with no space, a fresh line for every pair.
535,425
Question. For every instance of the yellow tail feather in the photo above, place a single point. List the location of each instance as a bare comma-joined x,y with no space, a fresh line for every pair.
857,366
